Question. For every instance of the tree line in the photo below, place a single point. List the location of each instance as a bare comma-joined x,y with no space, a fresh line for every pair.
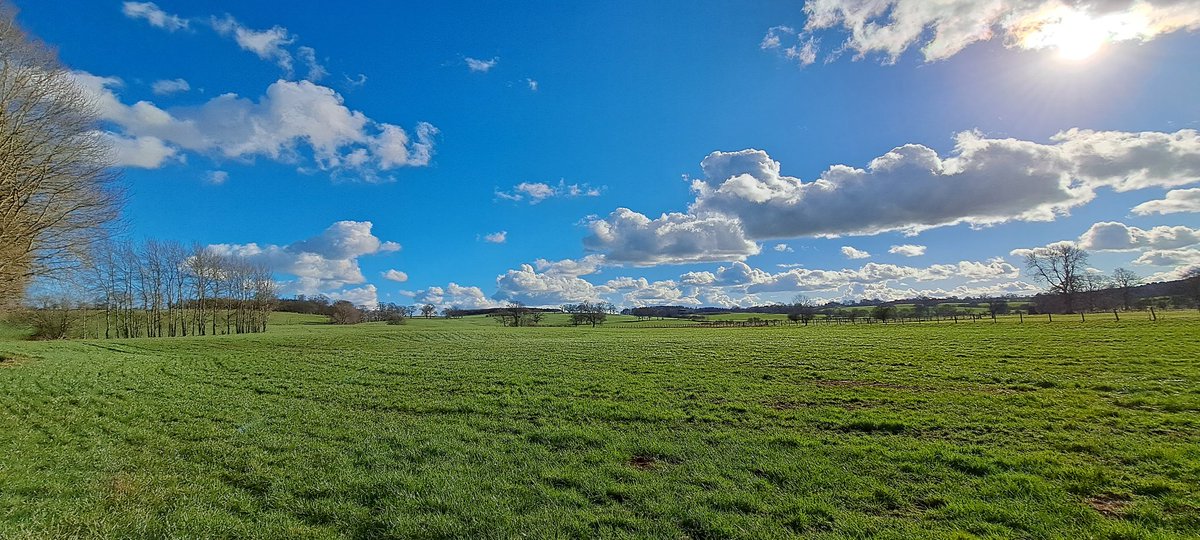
157,289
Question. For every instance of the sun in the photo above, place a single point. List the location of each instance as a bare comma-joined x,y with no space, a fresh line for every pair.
1076,37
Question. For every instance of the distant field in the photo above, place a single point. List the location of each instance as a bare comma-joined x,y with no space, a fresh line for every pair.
462,428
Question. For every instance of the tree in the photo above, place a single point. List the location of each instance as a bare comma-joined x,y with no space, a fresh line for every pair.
56,180
1124,281
513,314
803,309
345,313
592,313
428,310
883,313
1060,266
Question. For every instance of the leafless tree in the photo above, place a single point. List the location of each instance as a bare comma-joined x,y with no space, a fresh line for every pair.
345,313
428,310
56,183
1059,266
1124,281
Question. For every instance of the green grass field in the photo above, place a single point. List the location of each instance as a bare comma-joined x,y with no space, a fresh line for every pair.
461,428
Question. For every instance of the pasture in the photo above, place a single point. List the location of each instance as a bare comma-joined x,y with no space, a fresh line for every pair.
461,428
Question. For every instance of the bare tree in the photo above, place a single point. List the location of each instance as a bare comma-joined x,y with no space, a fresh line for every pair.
1060,266
56,182
802,309
1124,281
428,310
345,313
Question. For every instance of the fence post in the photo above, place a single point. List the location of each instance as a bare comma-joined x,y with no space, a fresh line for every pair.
1153,316
1118,317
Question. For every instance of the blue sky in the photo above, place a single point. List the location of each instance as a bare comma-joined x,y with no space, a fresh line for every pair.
437,126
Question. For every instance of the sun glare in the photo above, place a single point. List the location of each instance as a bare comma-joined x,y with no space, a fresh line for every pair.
1077,37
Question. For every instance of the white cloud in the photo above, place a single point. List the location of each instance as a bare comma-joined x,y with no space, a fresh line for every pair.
289,118
1176,201
572,267
626,236
907,250
533,85
140,152
270,44
498,237
851,252
1115,236
321,264
395,275
366,296
316,71
154,15
481,66
455,295
536,192
753,280
170,86
942,29
783,248
775,36
527,285
1170,257
217,177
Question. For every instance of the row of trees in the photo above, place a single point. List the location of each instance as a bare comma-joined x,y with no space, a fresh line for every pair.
157,289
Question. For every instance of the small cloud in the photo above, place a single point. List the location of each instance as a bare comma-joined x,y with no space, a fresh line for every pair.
537,192
481,66
356,82
907,250
498,237
854,253
316,71
395,275
170,86
533,85
154,15
217,177
784,248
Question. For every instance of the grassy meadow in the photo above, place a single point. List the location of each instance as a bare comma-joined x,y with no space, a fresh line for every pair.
461,428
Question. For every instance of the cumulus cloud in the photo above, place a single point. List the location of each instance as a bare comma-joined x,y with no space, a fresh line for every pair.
851,252
549,288
140,152
783,248
366,296
536,192
455,295
395,275
626,236
1075,28
481,66
1116,236
1170,257
170,86
318,265
151,13
291,121
1176,201
572,267
753,280
498,237
907,250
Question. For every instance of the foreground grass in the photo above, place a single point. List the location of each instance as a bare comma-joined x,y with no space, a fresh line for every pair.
463,429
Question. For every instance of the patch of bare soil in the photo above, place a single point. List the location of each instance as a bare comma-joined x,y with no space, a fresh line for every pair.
642,462
1109,504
